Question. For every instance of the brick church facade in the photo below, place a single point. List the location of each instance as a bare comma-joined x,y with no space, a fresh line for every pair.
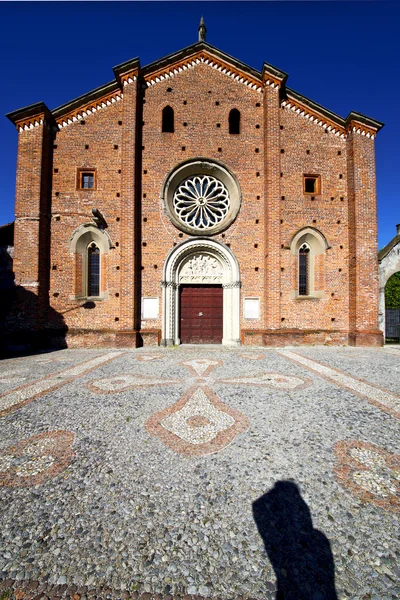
195,200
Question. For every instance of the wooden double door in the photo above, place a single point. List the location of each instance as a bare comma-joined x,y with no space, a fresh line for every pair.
201,314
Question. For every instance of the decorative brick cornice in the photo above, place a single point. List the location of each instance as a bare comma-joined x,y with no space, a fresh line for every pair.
273,77
89,108
357,123
361,129
127,72
315,113
204,57
314,116
127,79
172,65
31,116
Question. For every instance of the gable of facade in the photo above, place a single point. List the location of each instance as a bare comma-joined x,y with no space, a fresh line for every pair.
225,206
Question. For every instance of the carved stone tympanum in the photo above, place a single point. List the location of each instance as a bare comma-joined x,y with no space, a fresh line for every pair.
201,268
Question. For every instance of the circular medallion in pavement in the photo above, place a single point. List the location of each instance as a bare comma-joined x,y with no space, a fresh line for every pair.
369,472
36,459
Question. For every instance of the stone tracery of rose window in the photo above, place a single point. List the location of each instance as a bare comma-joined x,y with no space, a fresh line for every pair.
201,202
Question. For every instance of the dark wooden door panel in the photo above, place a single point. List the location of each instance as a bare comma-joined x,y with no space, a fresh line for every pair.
201,314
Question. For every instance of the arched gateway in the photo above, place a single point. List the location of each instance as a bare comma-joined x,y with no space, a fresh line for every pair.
201,294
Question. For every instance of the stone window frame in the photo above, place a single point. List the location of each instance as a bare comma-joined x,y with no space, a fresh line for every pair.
81,171
318,245
79,244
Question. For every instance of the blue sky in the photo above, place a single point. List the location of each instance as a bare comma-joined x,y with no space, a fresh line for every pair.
343,55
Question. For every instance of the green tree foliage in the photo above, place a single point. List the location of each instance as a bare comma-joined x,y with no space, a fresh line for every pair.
392,291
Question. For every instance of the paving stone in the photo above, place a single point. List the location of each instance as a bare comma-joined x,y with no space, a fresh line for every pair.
93,493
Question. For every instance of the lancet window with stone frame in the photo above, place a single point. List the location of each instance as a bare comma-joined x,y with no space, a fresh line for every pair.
90,246
308,248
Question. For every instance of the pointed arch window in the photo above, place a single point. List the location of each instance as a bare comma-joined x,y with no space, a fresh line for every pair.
93,270
304,270
168,119
234,121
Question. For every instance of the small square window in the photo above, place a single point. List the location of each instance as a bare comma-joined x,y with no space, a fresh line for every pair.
87,180
311,184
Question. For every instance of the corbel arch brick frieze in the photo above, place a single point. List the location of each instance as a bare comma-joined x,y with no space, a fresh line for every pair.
89,108
206,58
201,261
313,116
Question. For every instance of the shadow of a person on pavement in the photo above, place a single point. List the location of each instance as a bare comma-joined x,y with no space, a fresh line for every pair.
300,555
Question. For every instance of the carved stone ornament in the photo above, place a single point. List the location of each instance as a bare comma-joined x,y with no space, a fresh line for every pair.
201,268
234,284
169,284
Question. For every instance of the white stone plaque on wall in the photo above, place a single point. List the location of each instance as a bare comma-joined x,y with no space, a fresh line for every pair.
251,308
149,308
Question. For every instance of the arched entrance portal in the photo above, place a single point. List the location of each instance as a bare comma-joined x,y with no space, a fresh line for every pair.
200,279
392,308
389,265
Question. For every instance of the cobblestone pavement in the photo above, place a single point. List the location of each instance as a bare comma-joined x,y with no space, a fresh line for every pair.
201,472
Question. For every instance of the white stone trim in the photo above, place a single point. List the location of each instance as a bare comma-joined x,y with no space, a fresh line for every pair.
31,125
228,275
130,80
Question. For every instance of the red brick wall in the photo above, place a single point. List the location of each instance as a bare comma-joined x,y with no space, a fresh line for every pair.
130,213
201,88
31,234
298,210
71,208
363,243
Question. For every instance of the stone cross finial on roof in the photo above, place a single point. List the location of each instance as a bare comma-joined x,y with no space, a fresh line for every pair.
202,31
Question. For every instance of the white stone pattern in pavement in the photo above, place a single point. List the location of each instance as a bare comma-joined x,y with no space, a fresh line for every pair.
377,478
275,380
148,357
360,387
14,376
32,462
45,385
198,421
120,383
201,365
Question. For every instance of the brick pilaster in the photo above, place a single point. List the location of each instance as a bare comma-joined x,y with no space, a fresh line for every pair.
32,233
130,213
363,246
272,207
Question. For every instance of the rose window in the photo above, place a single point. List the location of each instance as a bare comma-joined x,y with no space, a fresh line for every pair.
201,202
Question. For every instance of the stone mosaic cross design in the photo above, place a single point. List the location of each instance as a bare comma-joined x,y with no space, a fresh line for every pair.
199,422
